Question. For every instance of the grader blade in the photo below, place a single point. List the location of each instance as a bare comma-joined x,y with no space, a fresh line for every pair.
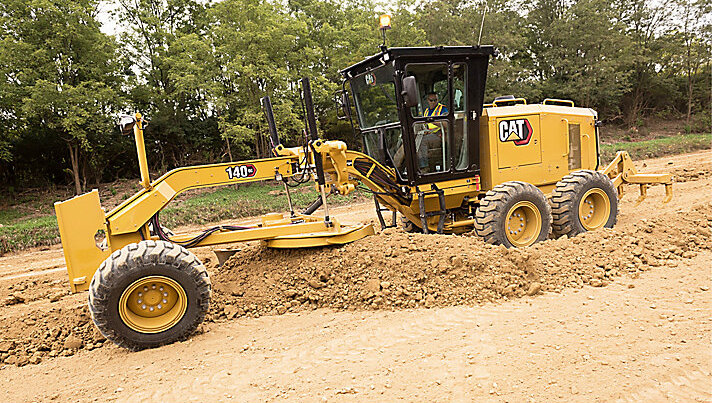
342,235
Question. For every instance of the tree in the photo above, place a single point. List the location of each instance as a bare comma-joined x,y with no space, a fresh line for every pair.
61,74
695,30
581,53
158,36
646,24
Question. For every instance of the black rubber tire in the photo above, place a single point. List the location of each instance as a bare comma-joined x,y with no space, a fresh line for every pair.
409,226
139,260
566,197
490,216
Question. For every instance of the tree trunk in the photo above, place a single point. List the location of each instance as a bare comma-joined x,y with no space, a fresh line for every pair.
74,158
258,148
229,152
689,96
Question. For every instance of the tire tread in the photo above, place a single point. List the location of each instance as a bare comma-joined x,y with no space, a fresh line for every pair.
131,258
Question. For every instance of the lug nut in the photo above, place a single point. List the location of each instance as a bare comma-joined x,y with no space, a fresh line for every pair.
165,301
153,287
143,306
161,288
159,306
150,308
145,288
165,294
139,301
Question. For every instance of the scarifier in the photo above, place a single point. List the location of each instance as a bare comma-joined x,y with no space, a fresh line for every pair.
512,172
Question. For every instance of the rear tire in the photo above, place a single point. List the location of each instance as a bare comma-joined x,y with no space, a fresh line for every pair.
148,294
513,214
583,201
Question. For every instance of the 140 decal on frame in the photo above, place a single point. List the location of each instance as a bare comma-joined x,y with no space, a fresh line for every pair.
241,171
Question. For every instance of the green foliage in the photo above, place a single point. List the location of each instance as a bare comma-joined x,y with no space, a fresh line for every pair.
198,70
61,77
657,147
27,233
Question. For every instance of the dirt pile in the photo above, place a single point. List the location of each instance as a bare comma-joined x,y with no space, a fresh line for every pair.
40,334
400,270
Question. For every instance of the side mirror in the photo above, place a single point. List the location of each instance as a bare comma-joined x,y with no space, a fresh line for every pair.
342,99
126,124
410,92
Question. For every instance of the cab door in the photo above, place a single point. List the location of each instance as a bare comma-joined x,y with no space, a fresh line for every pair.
442,130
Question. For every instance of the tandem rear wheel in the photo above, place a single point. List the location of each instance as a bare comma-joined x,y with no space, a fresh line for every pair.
583,201
148,294
513,214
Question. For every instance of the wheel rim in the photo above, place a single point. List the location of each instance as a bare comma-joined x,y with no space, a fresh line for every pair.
594,209
153,304
523,224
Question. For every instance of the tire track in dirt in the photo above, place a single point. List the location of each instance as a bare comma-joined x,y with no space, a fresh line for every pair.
684,385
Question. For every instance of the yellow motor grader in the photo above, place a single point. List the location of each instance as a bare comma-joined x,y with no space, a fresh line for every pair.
512,172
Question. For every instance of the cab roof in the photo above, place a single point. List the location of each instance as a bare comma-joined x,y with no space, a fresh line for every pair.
428,51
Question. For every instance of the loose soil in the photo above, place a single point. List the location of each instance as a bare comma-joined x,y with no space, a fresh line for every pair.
623,313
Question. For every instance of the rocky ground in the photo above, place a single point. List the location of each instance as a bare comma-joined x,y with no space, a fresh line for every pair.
409,316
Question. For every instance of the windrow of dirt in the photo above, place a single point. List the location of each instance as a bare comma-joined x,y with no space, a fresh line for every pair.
401,270
390,270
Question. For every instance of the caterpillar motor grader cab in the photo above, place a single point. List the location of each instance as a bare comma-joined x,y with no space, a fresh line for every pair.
509,170
489,168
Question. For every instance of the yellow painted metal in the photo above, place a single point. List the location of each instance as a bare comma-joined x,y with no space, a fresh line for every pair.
275,226
83,232
544,160
555,101
141,151
559,134
339,162
509,102
345,235
622,170
594,209
153,304
523,224
135,212
509,154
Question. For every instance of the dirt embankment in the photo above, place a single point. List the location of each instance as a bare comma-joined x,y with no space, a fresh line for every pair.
390,270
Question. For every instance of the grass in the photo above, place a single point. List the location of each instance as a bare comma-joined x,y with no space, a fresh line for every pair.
659,147
27,232
244,201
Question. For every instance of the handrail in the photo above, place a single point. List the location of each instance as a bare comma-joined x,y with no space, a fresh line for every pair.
559,102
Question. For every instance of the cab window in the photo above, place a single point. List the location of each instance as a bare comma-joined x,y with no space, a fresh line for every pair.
432,89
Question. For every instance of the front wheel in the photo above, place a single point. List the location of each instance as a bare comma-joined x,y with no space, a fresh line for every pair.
149,294
513,214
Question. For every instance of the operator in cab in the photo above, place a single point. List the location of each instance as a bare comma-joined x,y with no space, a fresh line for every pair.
431,137
435,108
